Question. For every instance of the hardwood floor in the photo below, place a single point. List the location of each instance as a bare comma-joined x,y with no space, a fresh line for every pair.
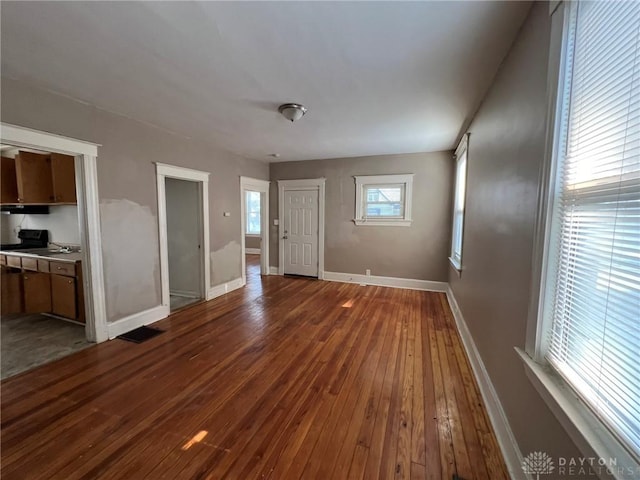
284,379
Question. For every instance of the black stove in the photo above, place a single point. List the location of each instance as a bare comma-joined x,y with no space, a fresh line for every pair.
28,239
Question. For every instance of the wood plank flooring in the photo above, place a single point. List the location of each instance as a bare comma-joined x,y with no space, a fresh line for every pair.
284,379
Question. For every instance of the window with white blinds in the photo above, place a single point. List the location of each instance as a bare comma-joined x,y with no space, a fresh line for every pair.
592,300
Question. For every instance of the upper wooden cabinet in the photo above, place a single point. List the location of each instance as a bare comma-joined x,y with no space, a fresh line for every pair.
41,178
63,172
35,181
9,186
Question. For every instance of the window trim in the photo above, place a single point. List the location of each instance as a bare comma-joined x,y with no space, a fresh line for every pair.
592,437
363,181
461,150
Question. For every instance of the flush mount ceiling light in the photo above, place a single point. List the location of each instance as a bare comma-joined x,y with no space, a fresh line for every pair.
292,111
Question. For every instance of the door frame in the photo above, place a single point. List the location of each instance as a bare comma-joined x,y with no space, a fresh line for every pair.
262,186
302,184
164,171
86,154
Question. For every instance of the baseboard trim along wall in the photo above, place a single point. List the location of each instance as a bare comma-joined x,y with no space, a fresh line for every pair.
223,288
273,271
512,454
184,293
393,282
136,320
253,251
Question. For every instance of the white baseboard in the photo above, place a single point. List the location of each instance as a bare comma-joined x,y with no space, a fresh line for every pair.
219,290
273,271
512,454
393,282
252,251
184,293
136,320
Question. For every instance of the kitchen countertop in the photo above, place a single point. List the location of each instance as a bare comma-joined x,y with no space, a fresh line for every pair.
72,257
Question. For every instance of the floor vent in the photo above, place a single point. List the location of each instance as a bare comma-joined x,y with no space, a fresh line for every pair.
140,334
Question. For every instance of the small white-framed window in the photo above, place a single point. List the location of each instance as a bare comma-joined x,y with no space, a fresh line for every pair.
253,213
458,202
383,200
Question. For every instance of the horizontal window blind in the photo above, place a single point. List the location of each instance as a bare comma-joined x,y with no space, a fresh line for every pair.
593,282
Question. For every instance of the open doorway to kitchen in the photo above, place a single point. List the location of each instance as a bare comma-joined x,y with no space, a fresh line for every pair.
52,299
254,199
183,217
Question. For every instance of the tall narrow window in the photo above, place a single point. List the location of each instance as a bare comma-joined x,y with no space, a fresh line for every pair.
458,203
592,293
253,213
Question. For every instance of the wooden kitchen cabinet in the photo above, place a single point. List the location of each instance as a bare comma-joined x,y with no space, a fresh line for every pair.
42,285
62,268
9,182
30,264
34,178
63,296
10,291
37,292
42,179
63,173
14,261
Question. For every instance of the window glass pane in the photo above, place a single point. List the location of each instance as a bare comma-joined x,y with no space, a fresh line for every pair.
384,210
253,213
384,194
458,207
593,285
384,201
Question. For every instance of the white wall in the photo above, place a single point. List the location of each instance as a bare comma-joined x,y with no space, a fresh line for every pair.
62,223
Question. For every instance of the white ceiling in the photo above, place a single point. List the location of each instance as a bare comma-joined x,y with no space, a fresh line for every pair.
377,77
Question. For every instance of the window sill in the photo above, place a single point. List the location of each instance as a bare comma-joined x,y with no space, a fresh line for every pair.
587,431
455,264
382,223
257,235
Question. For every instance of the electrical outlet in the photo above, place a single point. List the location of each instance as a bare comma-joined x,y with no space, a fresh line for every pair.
368,272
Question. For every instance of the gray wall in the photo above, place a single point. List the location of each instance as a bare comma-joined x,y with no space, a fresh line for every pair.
251,241
183,236
417,252
127,188
506,150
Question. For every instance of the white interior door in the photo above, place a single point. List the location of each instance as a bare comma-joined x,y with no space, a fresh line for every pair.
301,232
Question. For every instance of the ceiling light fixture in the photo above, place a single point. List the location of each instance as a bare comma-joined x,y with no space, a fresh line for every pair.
292,111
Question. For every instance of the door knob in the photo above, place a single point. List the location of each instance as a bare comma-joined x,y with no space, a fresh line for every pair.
285,237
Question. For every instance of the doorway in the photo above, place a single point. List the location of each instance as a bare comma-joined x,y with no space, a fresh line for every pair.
183,220
42,314
301,231
85,169
254,203
184,242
